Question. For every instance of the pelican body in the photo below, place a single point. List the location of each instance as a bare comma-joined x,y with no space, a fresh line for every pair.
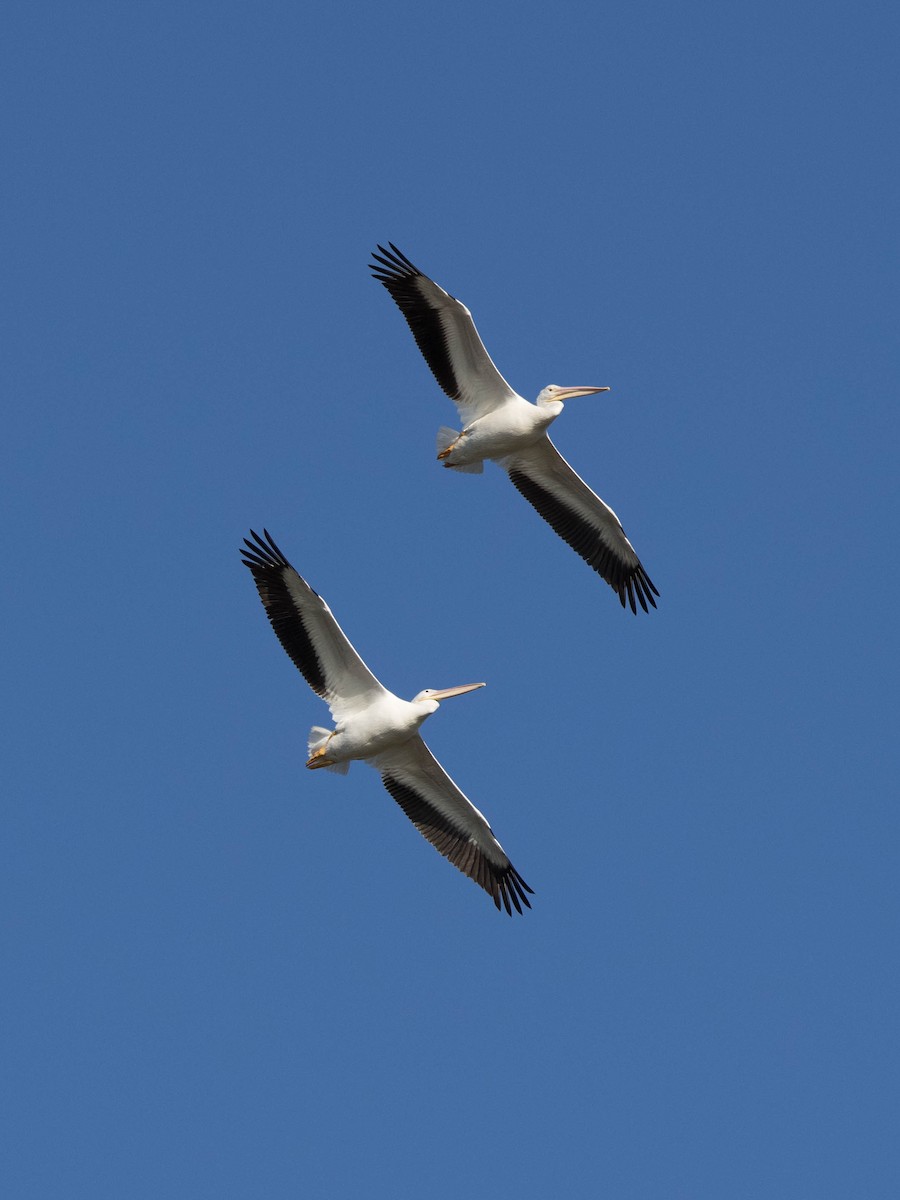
373,725
506,431
501,426
387,721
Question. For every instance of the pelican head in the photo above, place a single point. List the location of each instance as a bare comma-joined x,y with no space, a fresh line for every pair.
435,697
554,394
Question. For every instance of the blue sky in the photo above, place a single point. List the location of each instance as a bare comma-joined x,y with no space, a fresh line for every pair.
226,976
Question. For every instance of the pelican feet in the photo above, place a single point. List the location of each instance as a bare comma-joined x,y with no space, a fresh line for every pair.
447,451
318,759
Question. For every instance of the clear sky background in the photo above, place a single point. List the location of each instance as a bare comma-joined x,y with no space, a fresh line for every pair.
225,976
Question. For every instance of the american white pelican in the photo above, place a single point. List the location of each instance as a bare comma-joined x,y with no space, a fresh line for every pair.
378,727
501,425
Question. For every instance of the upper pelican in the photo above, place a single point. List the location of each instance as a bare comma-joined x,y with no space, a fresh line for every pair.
378,727
501,425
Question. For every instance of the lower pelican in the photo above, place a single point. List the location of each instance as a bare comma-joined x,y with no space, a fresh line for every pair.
374,725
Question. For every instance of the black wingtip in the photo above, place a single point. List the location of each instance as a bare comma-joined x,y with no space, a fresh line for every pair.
643,589
391,264
261,552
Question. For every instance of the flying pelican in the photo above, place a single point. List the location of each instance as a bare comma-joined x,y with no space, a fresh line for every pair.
374,725
501,425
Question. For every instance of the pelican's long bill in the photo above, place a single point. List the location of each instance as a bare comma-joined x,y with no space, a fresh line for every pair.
446,693
572,392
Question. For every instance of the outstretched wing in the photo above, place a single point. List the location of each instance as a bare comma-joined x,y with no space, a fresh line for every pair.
446,335
452,824
581,518
306,628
